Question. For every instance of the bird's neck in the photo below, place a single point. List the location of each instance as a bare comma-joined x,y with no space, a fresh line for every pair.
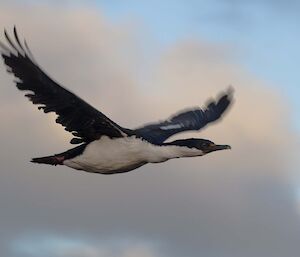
166,152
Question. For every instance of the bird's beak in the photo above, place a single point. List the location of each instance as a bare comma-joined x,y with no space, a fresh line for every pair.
213,148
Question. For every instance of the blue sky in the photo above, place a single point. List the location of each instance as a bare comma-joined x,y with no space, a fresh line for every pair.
265,34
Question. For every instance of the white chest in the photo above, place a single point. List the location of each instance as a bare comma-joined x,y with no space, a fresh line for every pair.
108,155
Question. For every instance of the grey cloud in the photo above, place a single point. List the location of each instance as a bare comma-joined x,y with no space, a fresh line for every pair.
49,246
237,203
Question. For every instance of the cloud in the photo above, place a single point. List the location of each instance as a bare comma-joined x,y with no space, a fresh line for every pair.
55,246
237,203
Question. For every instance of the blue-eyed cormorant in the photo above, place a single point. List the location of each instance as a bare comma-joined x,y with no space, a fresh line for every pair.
104,146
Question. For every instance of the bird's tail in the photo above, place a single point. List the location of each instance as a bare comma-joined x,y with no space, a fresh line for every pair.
52,160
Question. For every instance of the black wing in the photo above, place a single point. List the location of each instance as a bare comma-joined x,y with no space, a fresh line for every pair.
78,117
194,119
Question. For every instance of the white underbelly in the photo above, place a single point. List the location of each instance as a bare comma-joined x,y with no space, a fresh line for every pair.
117,155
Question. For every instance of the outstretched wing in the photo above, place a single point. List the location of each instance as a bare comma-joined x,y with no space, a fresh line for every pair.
78,117
194,119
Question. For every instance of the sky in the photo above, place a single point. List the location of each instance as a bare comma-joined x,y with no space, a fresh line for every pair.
263,34
137,62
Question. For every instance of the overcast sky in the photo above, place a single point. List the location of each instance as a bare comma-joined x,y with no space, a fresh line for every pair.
139,62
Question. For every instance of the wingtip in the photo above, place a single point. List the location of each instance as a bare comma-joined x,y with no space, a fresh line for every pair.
15,31
5,33
230,90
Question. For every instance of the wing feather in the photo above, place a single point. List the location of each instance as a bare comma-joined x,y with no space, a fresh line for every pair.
77,116
193,119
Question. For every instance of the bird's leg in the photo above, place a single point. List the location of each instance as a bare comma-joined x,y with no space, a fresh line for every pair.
59,159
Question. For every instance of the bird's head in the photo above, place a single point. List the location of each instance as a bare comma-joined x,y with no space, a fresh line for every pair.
204,145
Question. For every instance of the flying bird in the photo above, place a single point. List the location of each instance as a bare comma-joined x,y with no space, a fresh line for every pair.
104,146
